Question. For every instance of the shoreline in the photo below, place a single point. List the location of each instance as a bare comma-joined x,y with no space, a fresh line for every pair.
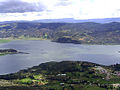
6,40
57,62
63,74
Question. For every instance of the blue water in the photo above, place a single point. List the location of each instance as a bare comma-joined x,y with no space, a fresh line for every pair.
44,51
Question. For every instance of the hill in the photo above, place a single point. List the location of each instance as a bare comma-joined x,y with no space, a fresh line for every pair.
70,75
85,33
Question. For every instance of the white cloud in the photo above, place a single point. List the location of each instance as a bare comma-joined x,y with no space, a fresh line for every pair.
77,9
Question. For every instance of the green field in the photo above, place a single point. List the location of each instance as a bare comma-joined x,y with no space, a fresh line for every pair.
4,40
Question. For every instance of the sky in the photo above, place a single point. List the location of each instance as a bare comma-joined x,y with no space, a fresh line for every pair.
11,10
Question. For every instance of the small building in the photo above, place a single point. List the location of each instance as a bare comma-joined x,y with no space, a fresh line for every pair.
61,74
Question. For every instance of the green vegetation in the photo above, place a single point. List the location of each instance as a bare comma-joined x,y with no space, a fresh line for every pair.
25,81
30,38
80,33
64,75
4,40
93,88
8,51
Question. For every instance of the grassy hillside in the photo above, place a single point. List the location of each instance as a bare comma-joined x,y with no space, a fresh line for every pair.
85,33
65,75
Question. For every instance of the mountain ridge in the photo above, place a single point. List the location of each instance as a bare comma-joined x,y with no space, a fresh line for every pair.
69,20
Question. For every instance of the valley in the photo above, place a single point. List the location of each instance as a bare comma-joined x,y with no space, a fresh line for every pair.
52,45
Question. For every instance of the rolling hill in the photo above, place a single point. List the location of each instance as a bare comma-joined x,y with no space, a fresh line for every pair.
86,33
65,75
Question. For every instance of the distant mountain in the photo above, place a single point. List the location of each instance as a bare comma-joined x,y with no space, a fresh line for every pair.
70,20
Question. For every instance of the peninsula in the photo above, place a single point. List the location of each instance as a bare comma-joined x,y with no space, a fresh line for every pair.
10,51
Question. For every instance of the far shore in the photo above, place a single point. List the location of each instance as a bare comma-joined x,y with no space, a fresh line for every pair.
6,40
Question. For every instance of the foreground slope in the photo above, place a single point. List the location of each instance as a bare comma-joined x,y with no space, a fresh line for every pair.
70,75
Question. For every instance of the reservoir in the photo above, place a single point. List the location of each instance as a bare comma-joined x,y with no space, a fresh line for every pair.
41,51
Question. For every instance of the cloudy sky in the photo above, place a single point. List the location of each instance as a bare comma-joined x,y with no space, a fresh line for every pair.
57,9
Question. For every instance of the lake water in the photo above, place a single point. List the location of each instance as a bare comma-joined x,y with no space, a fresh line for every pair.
45,51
